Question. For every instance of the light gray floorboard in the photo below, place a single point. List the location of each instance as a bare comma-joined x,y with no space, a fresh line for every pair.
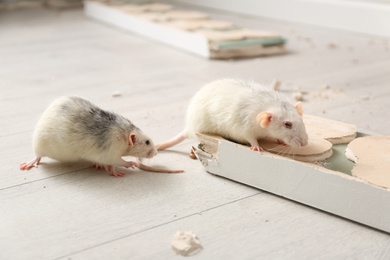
70,211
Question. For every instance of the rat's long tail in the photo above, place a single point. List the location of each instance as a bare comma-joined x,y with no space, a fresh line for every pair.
171,142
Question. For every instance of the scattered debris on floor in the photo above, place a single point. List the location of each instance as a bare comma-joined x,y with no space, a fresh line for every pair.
186,243
116,94
276,85
192,154
325,91
365,98
298,96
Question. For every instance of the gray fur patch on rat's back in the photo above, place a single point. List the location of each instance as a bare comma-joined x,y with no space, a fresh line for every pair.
88,120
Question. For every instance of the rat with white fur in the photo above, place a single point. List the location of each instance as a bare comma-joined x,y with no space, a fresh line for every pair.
73,129
244,112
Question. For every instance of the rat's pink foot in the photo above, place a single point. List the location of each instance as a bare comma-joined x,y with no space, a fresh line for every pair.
130,165
257,148
98,166
113,172
29,165
281,142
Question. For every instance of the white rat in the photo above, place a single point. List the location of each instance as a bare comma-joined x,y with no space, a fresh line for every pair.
73,129
244,112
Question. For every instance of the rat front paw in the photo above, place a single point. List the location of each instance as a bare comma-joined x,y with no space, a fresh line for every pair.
257,148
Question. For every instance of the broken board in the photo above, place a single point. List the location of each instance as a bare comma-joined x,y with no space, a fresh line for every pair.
327,186
191,31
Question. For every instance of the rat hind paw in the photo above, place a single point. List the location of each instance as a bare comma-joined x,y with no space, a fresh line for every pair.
32,163
98,166
113,172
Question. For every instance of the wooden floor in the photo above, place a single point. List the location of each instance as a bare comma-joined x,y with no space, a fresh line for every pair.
63,211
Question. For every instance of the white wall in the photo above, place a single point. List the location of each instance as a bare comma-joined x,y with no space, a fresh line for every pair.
370,17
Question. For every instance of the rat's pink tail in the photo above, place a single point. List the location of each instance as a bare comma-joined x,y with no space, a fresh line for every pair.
174,141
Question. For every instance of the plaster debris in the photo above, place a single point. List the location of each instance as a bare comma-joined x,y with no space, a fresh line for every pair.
372,157
332,46
338,90
186,243
276,85
192,154
298,89
321,94
298,96
116,94
324,92
325,87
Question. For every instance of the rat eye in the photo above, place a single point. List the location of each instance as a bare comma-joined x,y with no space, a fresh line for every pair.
288,125
147,142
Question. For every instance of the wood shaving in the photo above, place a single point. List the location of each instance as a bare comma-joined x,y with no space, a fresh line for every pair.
116,94
338,90
298,96
276,84
192,154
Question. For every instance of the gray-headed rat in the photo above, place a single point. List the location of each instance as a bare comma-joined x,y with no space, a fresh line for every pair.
245,112
73,129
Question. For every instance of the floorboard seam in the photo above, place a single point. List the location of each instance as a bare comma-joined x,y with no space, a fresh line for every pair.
157,226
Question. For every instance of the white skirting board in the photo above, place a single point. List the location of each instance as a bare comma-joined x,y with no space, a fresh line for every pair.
361,16
180,39
309,184
185,40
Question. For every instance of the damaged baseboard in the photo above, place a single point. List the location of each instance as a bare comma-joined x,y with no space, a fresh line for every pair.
327,185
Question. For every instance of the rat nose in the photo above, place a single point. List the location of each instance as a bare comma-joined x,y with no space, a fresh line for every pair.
304,142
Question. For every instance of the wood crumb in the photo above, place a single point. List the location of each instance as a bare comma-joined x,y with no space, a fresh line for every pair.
332,45
320,94
116,94
186,243
324,87
192,154
298,89
298,96
338,90
276,85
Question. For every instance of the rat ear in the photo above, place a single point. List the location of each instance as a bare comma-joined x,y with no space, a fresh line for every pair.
264,119
298,106
132,139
